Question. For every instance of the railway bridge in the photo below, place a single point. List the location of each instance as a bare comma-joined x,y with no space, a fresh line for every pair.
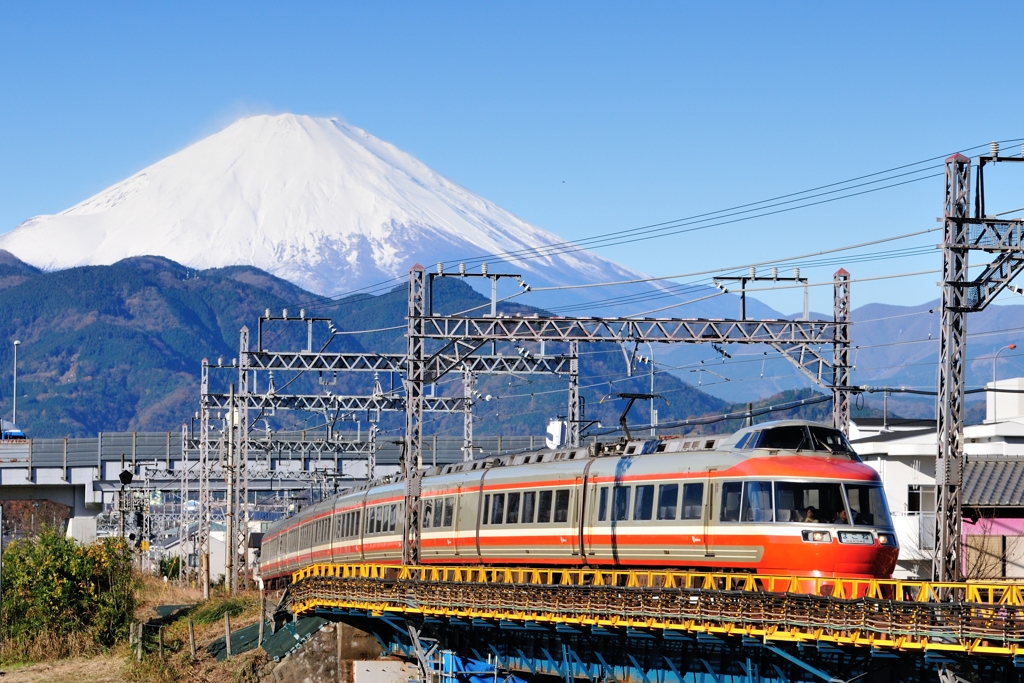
635,626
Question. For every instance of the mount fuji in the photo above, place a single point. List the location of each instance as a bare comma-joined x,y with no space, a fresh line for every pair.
314,201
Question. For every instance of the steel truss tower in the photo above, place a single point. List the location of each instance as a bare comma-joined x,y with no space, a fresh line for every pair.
961,295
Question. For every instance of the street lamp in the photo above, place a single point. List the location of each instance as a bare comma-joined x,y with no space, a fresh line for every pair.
14,412
995,394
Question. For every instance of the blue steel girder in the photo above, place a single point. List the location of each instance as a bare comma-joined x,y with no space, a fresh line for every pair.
615,658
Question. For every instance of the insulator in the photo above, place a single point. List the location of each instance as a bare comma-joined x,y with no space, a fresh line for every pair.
775,273
753,272
266,313
796,273
994,147
483,268
302,313
462,269
284,313
440,268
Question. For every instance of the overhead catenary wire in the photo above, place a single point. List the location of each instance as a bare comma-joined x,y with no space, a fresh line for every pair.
337,298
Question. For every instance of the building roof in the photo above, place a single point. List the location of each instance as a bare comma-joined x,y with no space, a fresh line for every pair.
994,483
893,436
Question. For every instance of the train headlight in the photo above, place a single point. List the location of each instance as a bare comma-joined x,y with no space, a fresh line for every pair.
886,539
817,536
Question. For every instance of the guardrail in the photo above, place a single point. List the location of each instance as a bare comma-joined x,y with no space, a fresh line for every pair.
972,617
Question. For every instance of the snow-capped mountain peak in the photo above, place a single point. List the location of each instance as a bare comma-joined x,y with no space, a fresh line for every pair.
315,201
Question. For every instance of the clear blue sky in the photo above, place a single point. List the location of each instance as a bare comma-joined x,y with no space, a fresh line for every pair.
579,117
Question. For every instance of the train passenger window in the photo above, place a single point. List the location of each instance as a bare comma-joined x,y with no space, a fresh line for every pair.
757,502
449,510
381,522
487,504
731,492
428,512
620,503
807,502
438,512
544,507
602,505
693,500
339,528
355,523
529,503
371,521
867,505
668,497
498,510
643,504
512,514
561,506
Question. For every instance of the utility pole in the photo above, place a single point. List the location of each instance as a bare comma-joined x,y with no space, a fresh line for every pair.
14,412
230,581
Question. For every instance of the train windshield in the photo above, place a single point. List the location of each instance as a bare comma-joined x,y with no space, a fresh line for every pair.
867,505
807,502
803,438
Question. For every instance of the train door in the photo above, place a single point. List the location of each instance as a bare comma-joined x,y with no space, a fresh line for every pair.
707,514
578,510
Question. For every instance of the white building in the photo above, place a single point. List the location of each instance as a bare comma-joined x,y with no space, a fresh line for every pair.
903,452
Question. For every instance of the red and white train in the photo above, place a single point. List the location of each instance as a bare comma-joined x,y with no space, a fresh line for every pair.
788,497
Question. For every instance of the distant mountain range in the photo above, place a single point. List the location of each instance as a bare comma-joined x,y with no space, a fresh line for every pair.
114,348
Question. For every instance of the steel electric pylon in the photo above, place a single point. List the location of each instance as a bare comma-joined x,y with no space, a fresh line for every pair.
841,350
961,295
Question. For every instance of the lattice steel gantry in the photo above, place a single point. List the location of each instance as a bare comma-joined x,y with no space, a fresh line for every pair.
961,295
459,337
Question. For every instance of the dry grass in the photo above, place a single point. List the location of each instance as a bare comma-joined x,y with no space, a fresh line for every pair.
107,668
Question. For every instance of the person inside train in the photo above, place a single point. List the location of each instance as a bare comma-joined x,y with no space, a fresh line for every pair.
842,518
810,514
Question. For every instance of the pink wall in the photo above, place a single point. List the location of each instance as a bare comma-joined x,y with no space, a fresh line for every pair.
994,527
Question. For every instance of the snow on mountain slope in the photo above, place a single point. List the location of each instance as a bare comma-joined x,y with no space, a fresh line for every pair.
314,201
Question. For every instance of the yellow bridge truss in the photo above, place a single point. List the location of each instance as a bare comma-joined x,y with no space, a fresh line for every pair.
983,618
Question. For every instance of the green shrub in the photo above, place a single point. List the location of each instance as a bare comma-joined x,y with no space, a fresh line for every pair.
213,610
54,587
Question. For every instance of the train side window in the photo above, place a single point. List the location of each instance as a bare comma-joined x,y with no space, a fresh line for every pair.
544,507
620,503
512,514
498,509
743,440
381,524
487,506
668,499
428,512
602,505
438,512
693,500
355,524
731,492
449,510
757,501
643,504
561,506
529,504
339,527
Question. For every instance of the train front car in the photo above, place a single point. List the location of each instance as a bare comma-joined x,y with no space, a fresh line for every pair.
797,500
